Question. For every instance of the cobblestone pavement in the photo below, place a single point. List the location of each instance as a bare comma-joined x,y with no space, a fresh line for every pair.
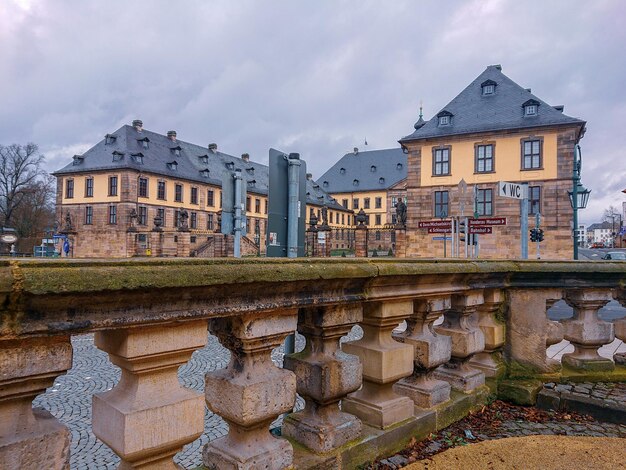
69,399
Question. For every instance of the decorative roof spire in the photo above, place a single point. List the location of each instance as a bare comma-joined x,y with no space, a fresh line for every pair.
420,122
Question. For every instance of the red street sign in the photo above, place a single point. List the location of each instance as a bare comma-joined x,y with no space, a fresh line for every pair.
435,224
487,221
440,229
478,230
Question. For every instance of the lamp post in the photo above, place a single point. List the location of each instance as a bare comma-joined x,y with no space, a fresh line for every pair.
578,196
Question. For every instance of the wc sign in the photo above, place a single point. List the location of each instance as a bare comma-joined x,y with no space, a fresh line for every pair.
512,190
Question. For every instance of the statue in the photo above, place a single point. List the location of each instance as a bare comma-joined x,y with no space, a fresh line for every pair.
68,223
324,216
183,219
401,213
132,218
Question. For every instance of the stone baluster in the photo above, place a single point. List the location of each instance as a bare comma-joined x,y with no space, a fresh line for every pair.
489,361
250,392
31,438
586,331
148,416
325,375
431,351
620,328
385,361
460,324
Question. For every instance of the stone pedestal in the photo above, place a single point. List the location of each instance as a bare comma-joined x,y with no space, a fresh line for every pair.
250,392
586,331
431,351
385,361
131,243
325,374
360,242
400,251
490,361
184,244
32,438
156,243
620,327
148,416
467,339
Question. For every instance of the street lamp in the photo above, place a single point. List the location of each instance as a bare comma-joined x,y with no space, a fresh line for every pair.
579,196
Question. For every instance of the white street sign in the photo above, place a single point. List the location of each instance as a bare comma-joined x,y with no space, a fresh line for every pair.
512,190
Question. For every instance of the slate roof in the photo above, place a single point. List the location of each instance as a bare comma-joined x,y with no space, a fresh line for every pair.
474,112
599,226
128,143
363,171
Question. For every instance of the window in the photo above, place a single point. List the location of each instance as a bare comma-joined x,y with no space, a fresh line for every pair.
173,165
176,218
534,200
265,206
88,215
248,204
178,193
210,198
367,220
257,206
366,203
161,190
484,201
161,213
137,157
221,200
209,222
193,220
194,195
377,235
343,219
489,89
112,185
483,158
441,161
69,189
344,203
531,154
441,203
444,120
112,215
143,187
378,219
142,215
530,110
378,202
89,187
355,203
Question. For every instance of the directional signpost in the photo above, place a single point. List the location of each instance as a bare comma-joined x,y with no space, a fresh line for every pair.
518,191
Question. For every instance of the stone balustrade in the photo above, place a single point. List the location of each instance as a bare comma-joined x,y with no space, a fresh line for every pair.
363,398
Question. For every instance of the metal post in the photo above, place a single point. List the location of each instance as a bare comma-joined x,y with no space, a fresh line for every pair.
524,221
237,218
292,211
466,235
575,181
537,224
453,241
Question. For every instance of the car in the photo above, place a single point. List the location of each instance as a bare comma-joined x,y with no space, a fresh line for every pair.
615,256
597,245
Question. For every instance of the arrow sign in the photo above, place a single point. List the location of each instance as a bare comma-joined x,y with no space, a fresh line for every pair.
512,190
487,221
480,230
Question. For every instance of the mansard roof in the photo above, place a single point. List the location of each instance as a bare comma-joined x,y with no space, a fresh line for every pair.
503,110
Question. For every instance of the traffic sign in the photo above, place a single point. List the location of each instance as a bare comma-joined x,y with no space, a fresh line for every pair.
442,238
480,230
434,223
487,221
447,229
512,190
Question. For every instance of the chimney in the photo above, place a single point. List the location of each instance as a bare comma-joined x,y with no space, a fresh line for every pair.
245,157
171,135
559,107
138,125
529,90
213,148
356,150
498,67
309,176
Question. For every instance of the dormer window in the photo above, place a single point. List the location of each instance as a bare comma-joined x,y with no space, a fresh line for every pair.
325,184
173,165
316,186
342,171
444,118
488,87
355,182
109,139
250,170
176,150
204,159
531,108
144,142
204,173
137,157
251,182
399,166
373,168
118,156
381,180
78,159
230,165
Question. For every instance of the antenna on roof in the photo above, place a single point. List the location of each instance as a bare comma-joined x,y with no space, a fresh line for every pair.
421,114
366,141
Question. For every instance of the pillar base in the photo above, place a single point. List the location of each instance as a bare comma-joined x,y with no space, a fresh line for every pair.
424,393
268,453
380,414
488,364
322,435
464,378
597,364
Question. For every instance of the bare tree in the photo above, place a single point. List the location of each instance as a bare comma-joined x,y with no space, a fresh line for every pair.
20,170
35,213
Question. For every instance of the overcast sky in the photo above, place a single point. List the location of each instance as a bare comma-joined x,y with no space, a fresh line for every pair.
314,77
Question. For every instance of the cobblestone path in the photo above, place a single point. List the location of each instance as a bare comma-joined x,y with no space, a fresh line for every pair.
70,399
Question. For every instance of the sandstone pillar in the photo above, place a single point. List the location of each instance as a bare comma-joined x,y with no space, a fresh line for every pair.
620,328
251,392
400,251
360,241
490,361
431,351
467,340
325,375
148,416
385,361
31,438
586,331
131,243
184,244
156,242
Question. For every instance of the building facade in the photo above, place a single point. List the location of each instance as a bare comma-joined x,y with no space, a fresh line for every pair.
113,198
494,130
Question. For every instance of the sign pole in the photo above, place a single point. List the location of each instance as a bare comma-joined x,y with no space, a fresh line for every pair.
524,221
537,224
237,219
